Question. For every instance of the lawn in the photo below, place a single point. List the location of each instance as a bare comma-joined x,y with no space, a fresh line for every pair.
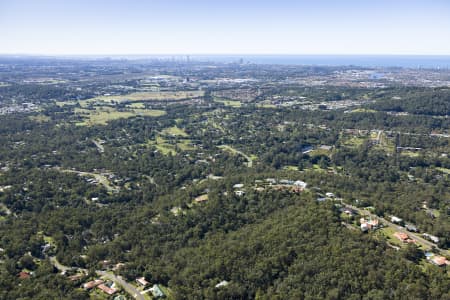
162,146
166,291
40,118
354,141
175,131
48,239
266,104
145,96
185,145
409,153
165,147
237,152
316,152
388,232
290,168
136,105
231,103
443,170
98,295
102,115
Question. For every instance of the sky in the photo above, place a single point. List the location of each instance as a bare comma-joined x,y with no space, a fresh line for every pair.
109,27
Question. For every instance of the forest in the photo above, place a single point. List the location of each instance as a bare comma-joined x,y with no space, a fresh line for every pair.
205,193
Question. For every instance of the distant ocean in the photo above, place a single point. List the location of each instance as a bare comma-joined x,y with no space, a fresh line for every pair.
406,61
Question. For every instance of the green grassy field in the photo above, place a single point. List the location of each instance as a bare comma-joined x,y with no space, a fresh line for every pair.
290,168
185,145
354,141
443,170
266,104
388,232
40,118
409,153
144,96
162,145
102,115
175,131
231,103
136,105
316,152
250,158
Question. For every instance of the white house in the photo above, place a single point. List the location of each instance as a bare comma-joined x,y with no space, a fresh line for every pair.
300,184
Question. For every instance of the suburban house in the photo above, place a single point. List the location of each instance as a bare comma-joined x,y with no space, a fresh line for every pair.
76,277
238,186
430,237
157,292
348,211
91,284
222,283
370,224
300,184
142,281
201,198
396,220
411,228
329,195
24,275
439,261
106,289
404,237
271,180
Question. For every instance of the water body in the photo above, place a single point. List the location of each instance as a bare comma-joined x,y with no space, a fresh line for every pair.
405,61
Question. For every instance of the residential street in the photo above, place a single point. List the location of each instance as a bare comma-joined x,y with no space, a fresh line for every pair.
117,279
400,229
127,287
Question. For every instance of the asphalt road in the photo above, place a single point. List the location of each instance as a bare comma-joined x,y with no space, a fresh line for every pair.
117,279
127,287
400,229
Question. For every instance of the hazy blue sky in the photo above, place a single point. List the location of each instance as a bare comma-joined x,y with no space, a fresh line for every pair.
224,27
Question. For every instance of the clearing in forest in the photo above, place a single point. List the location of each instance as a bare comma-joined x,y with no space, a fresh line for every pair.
144,96
226,102
174,131
102,115
234,151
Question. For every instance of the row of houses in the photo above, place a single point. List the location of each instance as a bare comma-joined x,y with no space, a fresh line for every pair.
413,228
370,224
437,260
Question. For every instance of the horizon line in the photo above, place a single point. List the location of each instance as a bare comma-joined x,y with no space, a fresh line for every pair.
216,54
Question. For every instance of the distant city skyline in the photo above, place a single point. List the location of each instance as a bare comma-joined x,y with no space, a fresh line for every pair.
198,27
